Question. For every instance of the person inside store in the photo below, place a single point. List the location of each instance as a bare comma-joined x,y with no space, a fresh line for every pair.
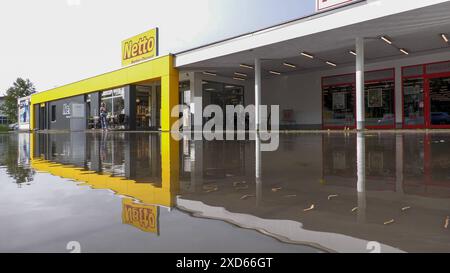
103,116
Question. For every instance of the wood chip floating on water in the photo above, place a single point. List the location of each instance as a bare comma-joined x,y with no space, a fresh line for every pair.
389,222
212,190
277,189
247,196
406,208
310,208
355,209
235,184
447,222
290,196
332,196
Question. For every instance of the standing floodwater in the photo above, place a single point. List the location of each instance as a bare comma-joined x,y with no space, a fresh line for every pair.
142,192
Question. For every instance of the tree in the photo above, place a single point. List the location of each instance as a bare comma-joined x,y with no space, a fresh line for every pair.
21,88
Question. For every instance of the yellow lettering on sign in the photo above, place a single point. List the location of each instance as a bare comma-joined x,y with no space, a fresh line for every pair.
140,47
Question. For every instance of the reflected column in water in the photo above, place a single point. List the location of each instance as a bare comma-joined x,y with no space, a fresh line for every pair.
399,165
258,170
361,170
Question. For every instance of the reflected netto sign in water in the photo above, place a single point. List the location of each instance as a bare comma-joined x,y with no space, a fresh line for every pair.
140,47
143,217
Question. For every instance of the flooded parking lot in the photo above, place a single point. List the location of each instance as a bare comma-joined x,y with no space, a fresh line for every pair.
143,192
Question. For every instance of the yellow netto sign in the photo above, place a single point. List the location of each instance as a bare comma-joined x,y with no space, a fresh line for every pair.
143,217
140,47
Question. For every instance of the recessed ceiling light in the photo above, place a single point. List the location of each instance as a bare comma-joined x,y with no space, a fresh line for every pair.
274,72
238,79
404,51
290,65
386,39
210,89
444,37
229,86
209,73
307,55
240,74
352,52
246,66
330,63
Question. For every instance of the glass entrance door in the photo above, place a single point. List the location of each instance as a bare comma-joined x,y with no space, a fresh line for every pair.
414,103
439,88
143,107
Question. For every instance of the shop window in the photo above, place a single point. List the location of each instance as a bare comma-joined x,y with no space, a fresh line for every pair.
426,96
380,106
339,99
339,105
440,101
414,101
53,113
222,94
115,106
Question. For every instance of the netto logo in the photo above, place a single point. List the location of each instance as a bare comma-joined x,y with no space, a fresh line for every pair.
136,49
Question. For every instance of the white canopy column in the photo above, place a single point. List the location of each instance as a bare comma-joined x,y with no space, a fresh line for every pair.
257,94
360,85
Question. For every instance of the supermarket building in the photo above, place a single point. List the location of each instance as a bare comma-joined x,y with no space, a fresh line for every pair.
375,64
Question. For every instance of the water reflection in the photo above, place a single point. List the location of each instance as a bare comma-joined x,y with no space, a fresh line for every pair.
14,156
141,166
361,173
335,192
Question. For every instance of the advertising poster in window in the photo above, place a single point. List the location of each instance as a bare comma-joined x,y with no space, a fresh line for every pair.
24,111
23,118
339,102
66,109
375,98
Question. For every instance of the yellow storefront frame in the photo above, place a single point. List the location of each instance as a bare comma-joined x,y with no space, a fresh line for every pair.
161,68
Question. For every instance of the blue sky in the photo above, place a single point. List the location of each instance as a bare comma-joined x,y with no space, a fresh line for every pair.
54,42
